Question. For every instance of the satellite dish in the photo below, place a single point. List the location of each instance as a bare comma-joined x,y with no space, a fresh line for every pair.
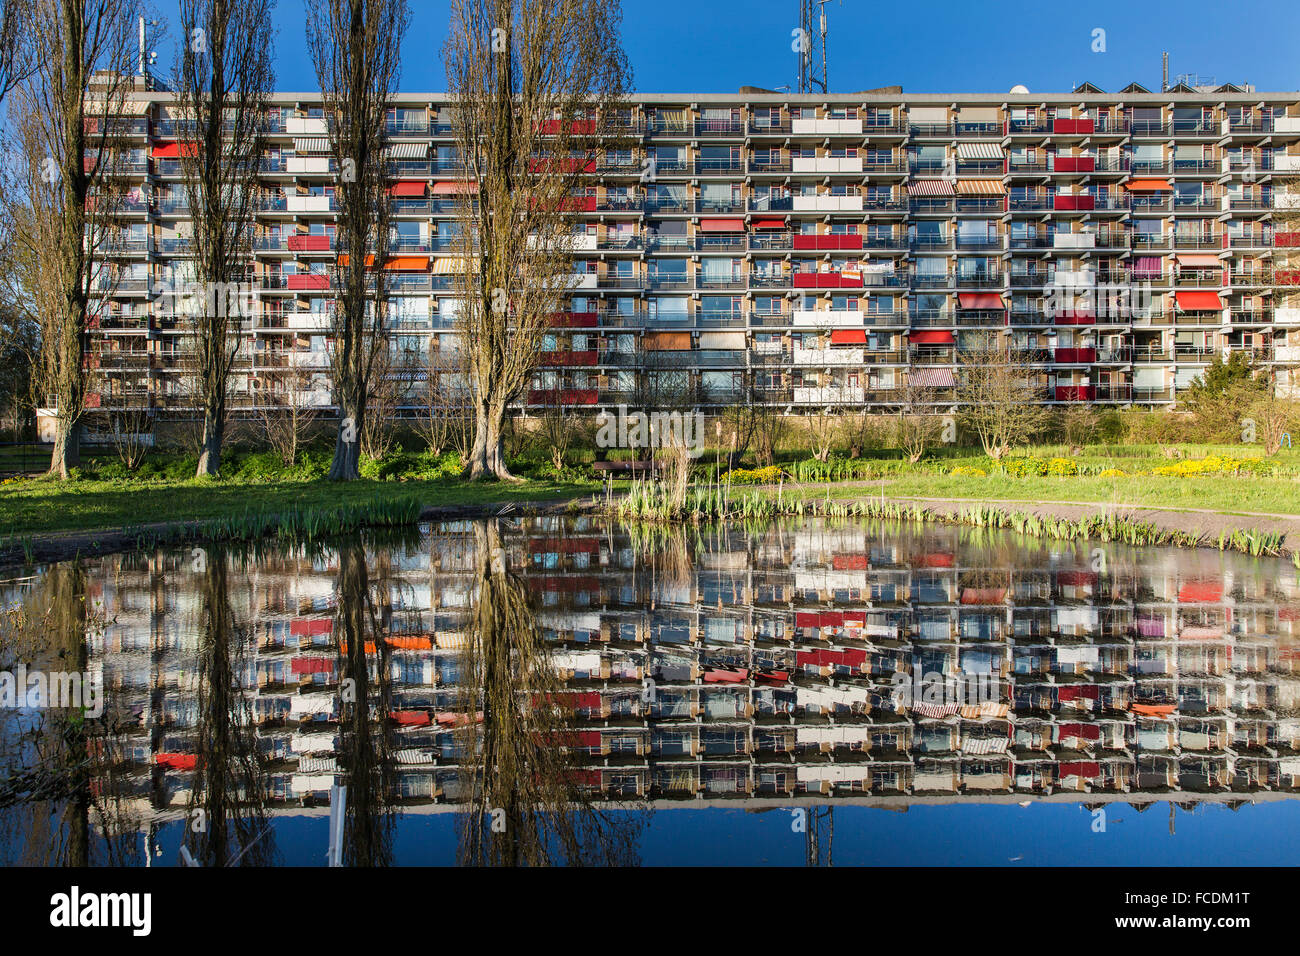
1019,89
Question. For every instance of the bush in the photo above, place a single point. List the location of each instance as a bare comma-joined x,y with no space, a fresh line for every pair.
969,471
1111,473
1060,467
1024,467
755,476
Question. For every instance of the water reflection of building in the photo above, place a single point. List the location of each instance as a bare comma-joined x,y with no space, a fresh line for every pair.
760,666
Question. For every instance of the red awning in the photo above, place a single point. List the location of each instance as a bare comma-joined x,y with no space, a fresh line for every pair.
176,150
413,190
1201,592
930,337
980,300
1199,301
454,188
769,224
722,225
849,337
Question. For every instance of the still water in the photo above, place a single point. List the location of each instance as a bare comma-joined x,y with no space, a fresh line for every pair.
571,690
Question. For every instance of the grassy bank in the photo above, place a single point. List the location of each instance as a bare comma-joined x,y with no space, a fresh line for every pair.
42,506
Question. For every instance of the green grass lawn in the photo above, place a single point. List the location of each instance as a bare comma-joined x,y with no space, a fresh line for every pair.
40,506
1229,494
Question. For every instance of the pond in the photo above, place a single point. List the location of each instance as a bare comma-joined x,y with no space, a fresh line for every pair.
562,690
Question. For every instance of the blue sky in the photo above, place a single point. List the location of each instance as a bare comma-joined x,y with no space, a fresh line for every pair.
943,45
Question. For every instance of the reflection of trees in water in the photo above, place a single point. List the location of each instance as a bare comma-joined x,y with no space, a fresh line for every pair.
227,819
524,805
63,792
365,749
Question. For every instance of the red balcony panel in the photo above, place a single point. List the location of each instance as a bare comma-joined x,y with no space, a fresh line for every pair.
1075,318
1076,356
809,280
573,320
1075,393
566,358
1286,240
1073,202
1072,126
1075,164
308,281
308,243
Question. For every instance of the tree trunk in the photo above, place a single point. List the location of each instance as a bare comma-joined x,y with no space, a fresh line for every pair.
347,447
67,447
214,428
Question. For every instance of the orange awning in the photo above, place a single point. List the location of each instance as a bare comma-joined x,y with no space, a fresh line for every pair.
1149,186
406,263
454,188
1199,301
395,264
980,187
722,225
1199,259
668,341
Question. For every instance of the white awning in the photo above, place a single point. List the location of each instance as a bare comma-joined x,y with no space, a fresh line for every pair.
979,151
407,151
311,144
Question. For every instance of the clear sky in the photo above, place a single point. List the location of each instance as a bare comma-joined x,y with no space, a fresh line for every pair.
968,46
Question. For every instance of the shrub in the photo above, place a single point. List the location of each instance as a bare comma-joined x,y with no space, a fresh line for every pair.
1060,467
1111,473
753,476
969,471
1024,467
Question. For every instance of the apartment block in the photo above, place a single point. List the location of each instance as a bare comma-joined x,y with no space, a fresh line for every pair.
802,252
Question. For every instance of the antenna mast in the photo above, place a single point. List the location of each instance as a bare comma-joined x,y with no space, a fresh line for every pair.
812,46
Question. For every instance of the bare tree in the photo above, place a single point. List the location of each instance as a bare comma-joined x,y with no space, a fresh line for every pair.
534,86
819,432
916,426
66,114
999,399
355,47
443,419
223,78
390,388
286,413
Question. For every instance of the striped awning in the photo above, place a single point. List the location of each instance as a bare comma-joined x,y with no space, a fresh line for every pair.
932,378
311,144
979,151
406,151
981,187
929,187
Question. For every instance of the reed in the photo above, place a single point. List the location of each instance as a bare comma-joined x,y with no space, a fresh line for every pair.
708,503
